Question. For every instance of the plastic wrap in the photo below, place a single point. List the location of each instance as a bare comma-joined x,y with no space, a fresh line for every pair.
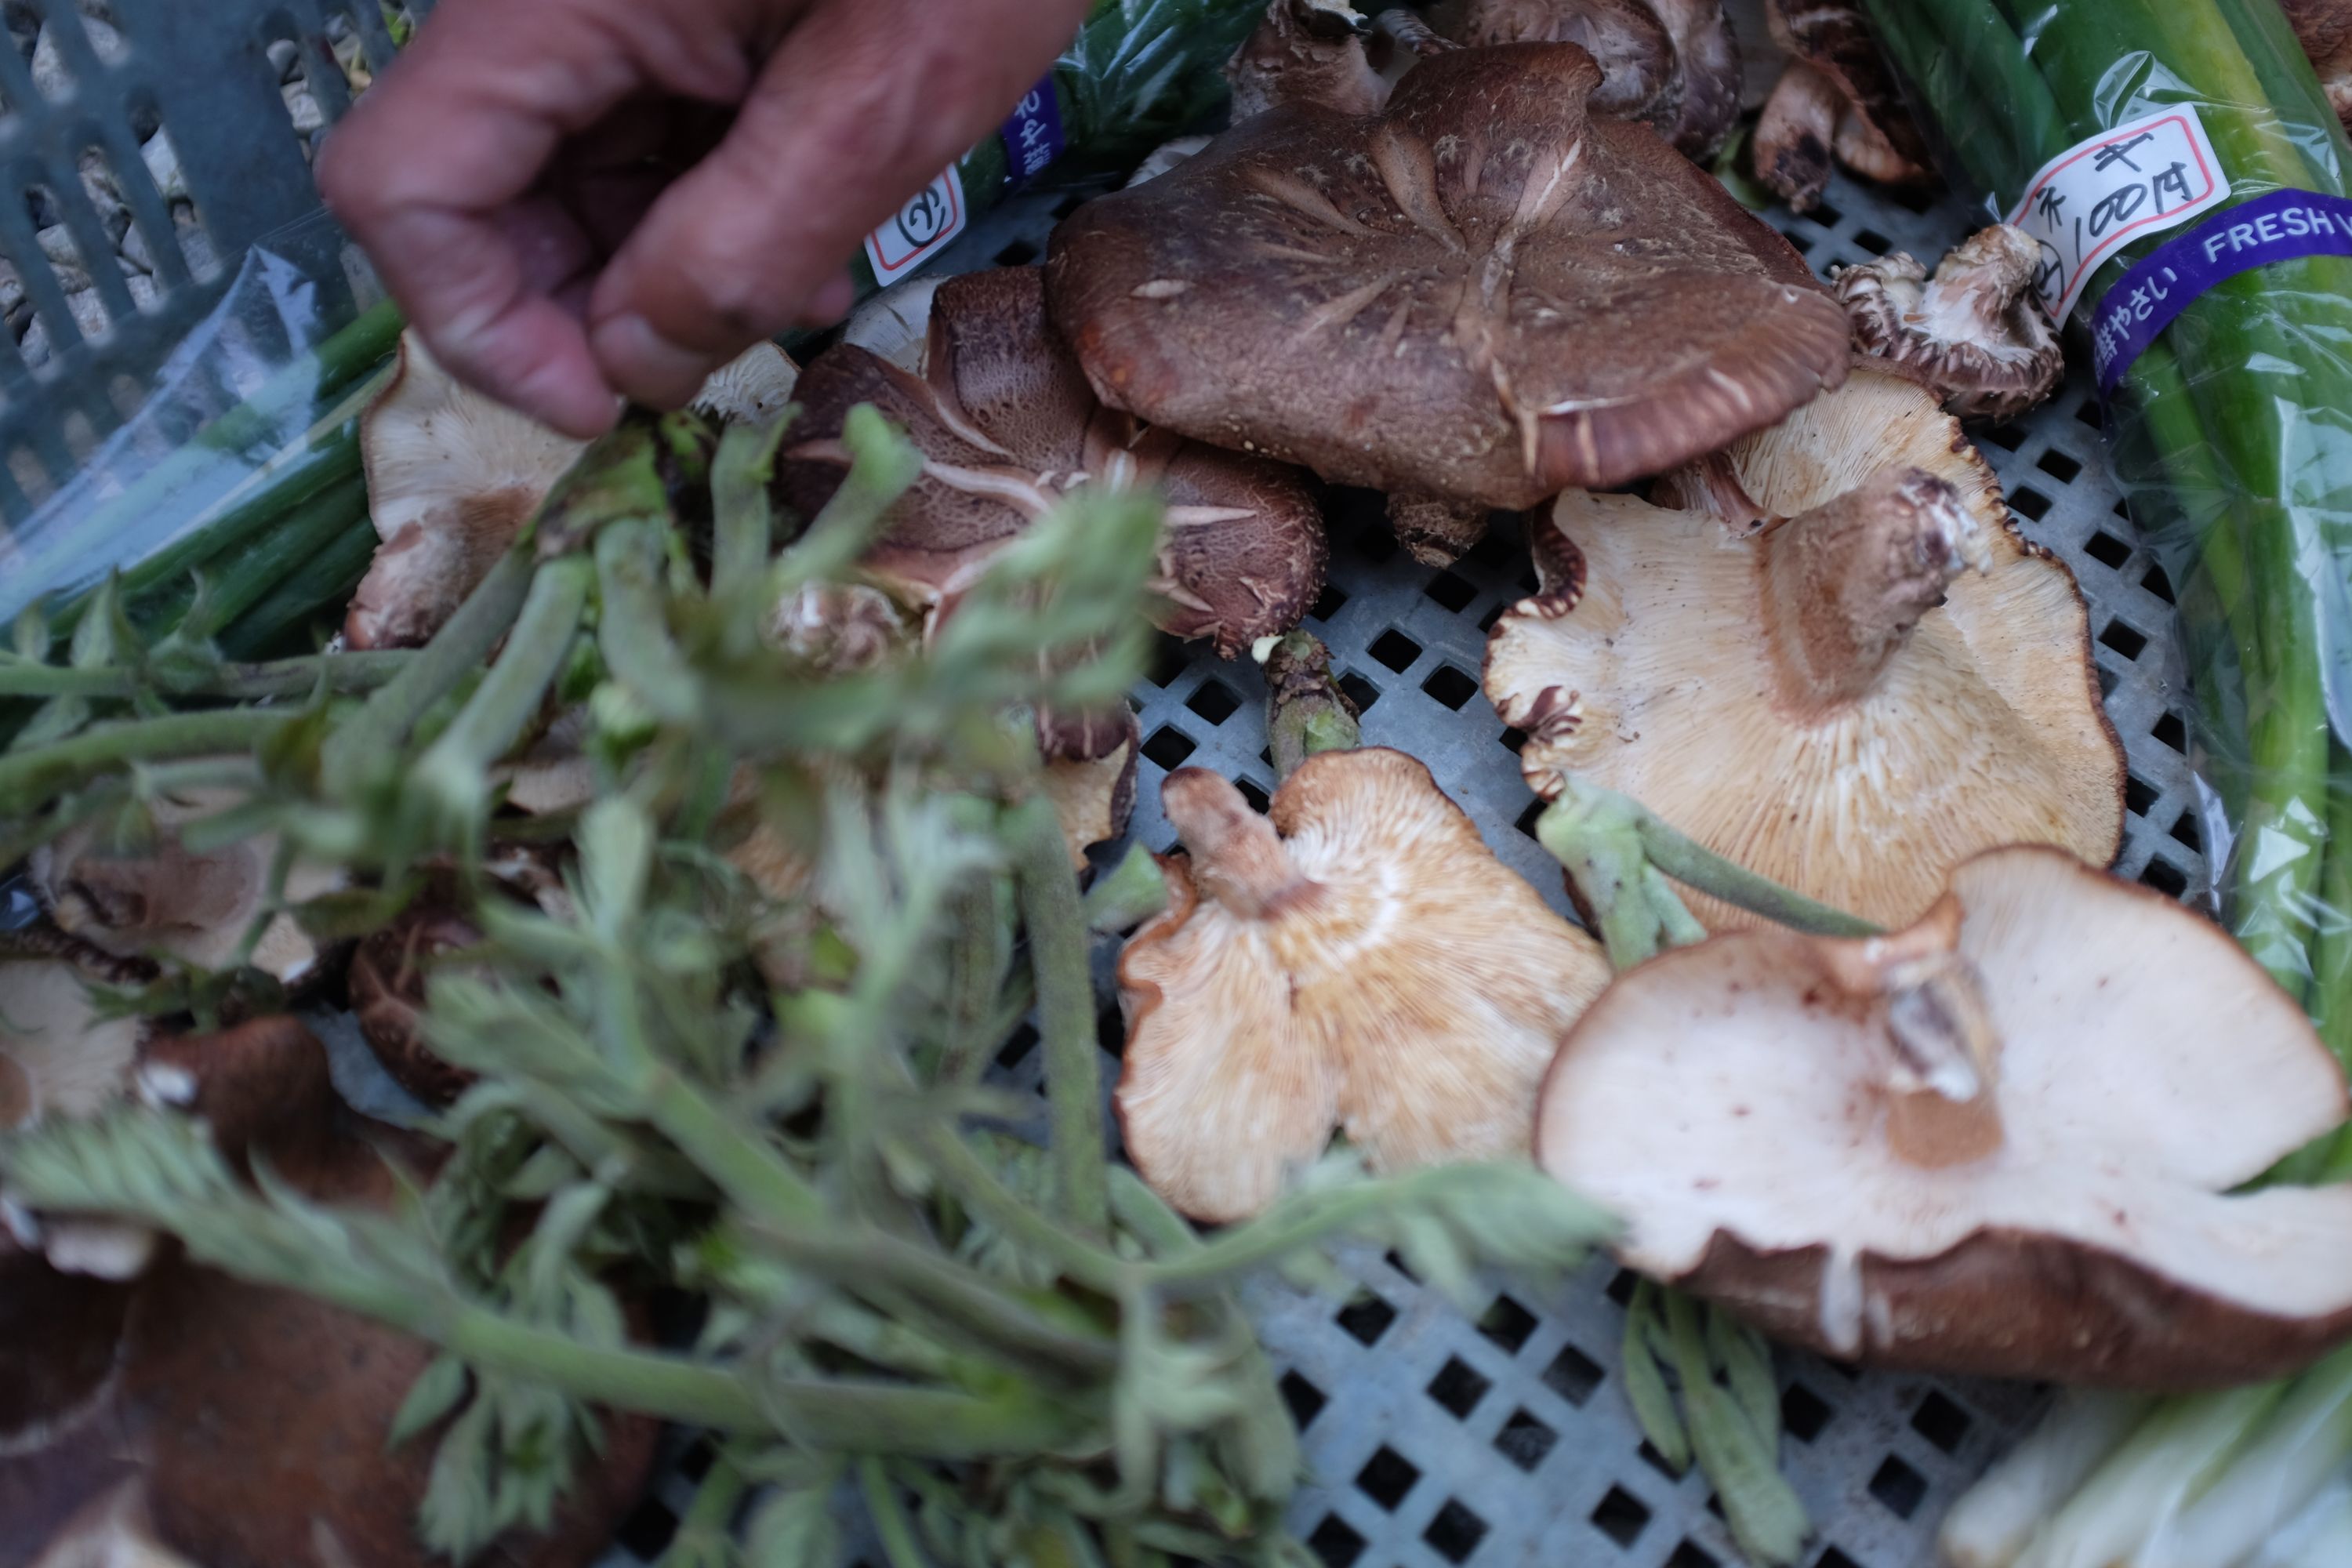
1139,73
242,464
2231,426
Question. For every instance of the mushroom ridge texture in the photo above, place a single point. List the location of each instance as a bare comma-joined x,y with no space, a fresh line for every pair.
1480,293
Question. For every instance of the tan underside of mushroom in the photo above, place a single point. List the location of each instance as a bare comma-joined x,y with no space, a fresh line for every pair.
1661,681
57,1057
1736,1103
1092,798
1395,980
193,906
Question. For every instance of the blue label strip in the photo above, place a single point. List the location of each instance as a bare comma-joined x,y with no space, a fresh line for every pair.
1032,136
2280,226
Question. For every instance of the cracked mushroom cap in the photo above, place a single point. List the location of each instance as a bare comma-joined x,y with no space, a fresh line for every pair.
2002,1143
192,905
1006,426
1972,334
1436,301
1357,959
1878,683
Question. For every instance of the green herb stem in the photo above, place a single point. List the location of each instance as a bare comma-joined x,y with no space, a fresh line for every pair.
977,1186
1051,909
740,1161
376,735
28,780
342,673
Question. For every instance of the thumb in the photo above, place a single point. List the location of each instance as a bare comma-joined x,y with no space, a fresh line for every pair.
863,104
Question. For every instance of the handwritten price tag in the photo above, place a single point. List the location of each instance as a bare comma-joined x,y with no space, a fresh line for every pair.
921,228
2123,185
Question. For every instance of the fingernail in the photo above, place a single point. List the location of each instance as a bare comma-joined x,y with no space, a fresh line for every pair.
830,302
646,366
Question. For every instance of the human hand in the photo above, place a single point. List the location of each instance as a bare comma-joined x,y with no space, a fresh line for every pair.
577,200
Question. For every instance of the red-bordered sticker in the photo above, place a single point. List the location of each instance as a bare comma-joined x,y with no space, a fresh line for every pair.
932,217
2098,196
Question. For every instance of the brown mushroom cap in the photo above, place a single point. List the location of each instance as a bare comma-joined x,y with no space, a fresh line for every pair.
1306,51
1007,426
1624,37
1796,136
1829,699
1360,959
194,906
388,977
1973,334
1434,301
2324,27
1834,38
2000,1143
258,1416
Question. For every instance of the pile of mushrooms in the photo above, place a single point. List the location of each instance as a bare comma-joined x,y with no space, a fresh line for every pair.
1973,333
1835,102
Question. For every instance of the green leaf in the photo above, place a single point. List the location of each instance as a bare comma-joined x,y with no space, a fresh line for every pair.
1645,1383
434,1394
793,1527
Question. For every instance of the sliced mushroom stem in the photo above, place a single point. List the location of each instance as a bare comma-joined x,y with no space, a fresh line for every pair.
1844,583
1584,812
1238,859
1305,711
1436,532
1941,1109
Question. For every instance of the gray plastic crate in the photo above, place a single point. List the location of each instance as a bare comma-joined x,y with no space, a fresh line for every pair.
90,97
1436,1440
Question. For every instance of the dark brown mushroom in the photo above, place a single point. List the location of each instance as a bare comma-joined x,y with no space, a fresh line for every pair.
1439,300
2324,29
1837,95
1307,51
1007,426
388,979
253,1418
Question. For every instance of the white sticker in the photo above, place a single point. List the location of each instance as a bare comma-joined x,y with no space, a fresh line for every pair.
2122,185
919,230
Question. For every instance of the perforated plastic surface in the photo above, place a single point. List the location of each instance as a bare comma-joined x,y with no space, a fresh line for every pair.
1436,1440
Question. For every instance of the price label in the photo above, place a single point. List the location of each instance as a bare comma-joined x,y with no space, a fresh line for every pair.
919,230
2123,185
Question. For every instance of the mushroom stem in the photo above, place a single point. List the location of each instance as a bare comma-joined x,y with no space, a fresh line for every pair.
1584,808
1065,1015
1843,583
1238,859
1305,711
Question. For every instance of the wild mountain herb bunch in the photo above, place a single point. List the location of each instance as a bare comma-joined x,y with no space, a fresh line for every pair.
922,1299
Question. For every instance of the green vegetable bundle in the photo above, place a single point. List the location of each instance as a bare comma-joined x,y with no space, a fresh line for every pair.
2232,435
2232,432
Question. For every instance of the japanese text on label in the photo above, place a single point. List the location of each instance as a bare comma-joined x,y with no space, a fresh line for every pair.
934,215
2123,185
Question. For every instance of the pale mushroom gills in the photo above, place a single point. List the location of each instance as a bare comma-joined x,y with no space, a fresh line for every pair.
1880,681
2001,1142
1356,958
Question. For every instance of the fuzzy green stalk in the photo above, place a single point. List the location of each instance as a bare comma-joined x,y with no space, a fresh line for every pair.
377,733
344,673
454,771
1127,895
31,779
742,534
1056,924
633,631
1305,711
